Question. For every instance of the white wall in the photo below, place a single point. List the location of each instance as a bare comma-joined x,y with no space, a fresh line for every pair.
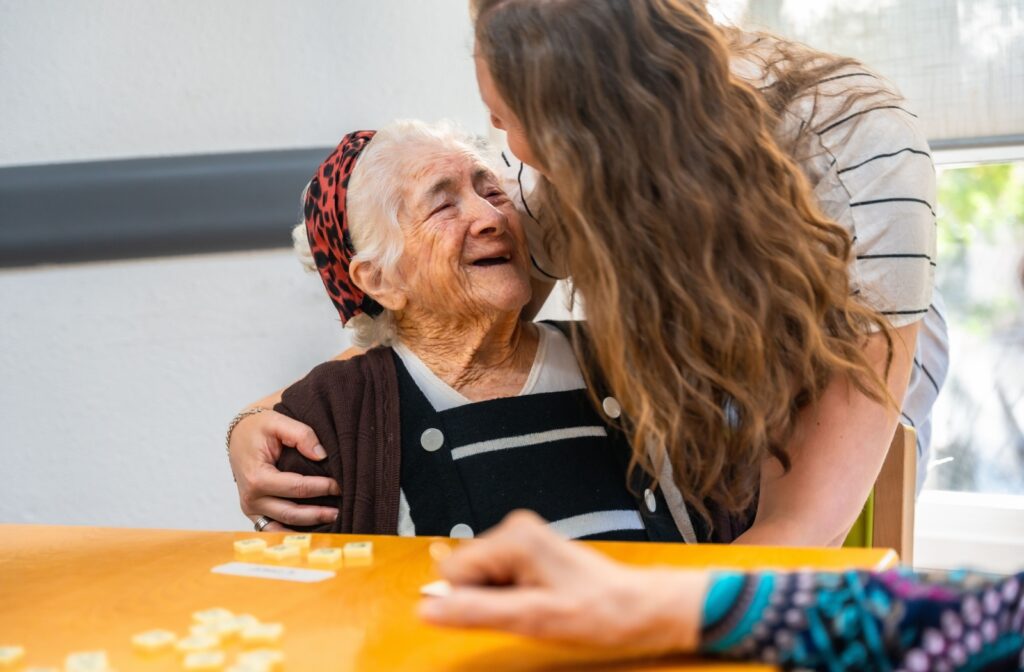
127,78
118,380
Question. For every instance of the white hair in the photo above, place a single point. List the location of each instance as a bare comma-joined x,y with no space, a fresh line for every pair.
374,199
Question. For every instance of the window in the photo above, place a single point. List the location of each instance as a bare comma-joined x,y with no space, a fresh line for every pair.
978,440
971,511
960,63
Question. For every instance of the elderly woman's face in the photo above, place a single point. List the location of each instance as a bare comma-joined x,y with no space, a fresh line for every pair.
465,251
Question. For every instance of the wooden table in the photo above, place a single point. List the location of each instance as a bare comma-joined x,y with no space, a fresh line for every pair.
66,589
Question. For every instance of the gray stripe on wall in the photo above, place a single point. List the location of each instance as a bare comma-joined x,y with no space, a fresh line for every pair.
100,210
123,209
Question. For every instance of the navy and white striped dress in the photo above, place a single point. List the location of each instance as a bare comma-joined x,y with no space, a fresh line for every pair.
466,465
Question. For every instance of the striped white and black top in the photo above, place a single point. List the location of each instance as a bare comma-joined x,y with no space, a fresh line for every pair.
872,172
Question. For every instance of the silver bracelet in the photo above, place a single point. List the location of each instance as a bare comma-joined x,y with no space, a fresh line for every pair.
234,423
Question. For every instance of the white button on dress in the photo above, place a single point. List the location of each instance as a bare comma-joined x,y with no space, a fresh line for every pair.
611,407
461,531
650,500
432,439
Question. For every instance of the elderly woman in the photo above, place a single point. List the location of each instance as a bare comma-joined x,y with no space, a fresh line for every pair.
460,412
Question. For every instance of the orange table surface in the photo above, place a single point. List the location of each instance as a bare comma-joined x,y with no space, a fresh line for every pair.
67,589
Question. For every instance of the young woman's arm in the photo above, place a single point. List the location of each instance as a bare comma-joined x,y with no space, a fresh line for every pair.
837,451
255,444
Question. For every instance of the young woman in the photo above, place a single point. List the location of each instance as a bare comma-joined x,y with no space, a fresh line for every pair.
750,227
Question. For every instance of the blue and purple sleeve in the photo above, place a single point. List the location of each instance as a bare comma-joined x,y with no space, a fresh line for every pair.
894,620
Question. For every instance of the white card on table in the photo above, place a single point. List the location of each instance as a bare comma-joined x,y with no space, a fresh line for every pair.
297,574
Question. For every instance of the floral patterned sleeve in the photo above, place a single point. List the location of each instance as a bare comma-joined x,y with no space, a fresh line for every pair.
894,620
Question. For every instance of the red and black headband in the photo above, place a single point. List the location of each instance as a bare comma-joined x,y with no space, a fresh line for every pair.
328,231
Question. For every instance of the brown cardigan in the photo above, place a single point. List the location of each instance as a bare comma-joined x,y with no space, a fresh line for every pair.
353,408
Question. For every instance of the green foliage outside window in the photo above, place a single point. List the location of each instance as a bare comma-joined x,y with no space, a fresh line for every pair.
979,418
980,206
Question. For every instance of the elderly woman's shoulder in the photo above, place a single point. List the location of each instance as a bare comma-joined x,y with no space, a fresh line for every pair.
339,381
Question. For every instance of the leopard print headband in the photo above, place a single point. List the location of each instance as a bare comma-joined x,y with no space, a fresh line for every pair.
328,231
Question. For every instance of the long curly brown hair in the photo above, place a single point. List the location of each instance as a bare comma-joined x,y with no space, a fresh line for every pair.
716,292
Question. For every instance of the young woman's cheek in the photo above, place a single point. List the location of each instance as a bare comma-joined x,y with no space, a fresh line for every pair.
516,139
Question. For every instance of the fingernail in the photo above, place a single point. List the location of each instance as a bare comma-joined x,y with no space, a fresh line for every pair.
439,551
319,451
431,608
